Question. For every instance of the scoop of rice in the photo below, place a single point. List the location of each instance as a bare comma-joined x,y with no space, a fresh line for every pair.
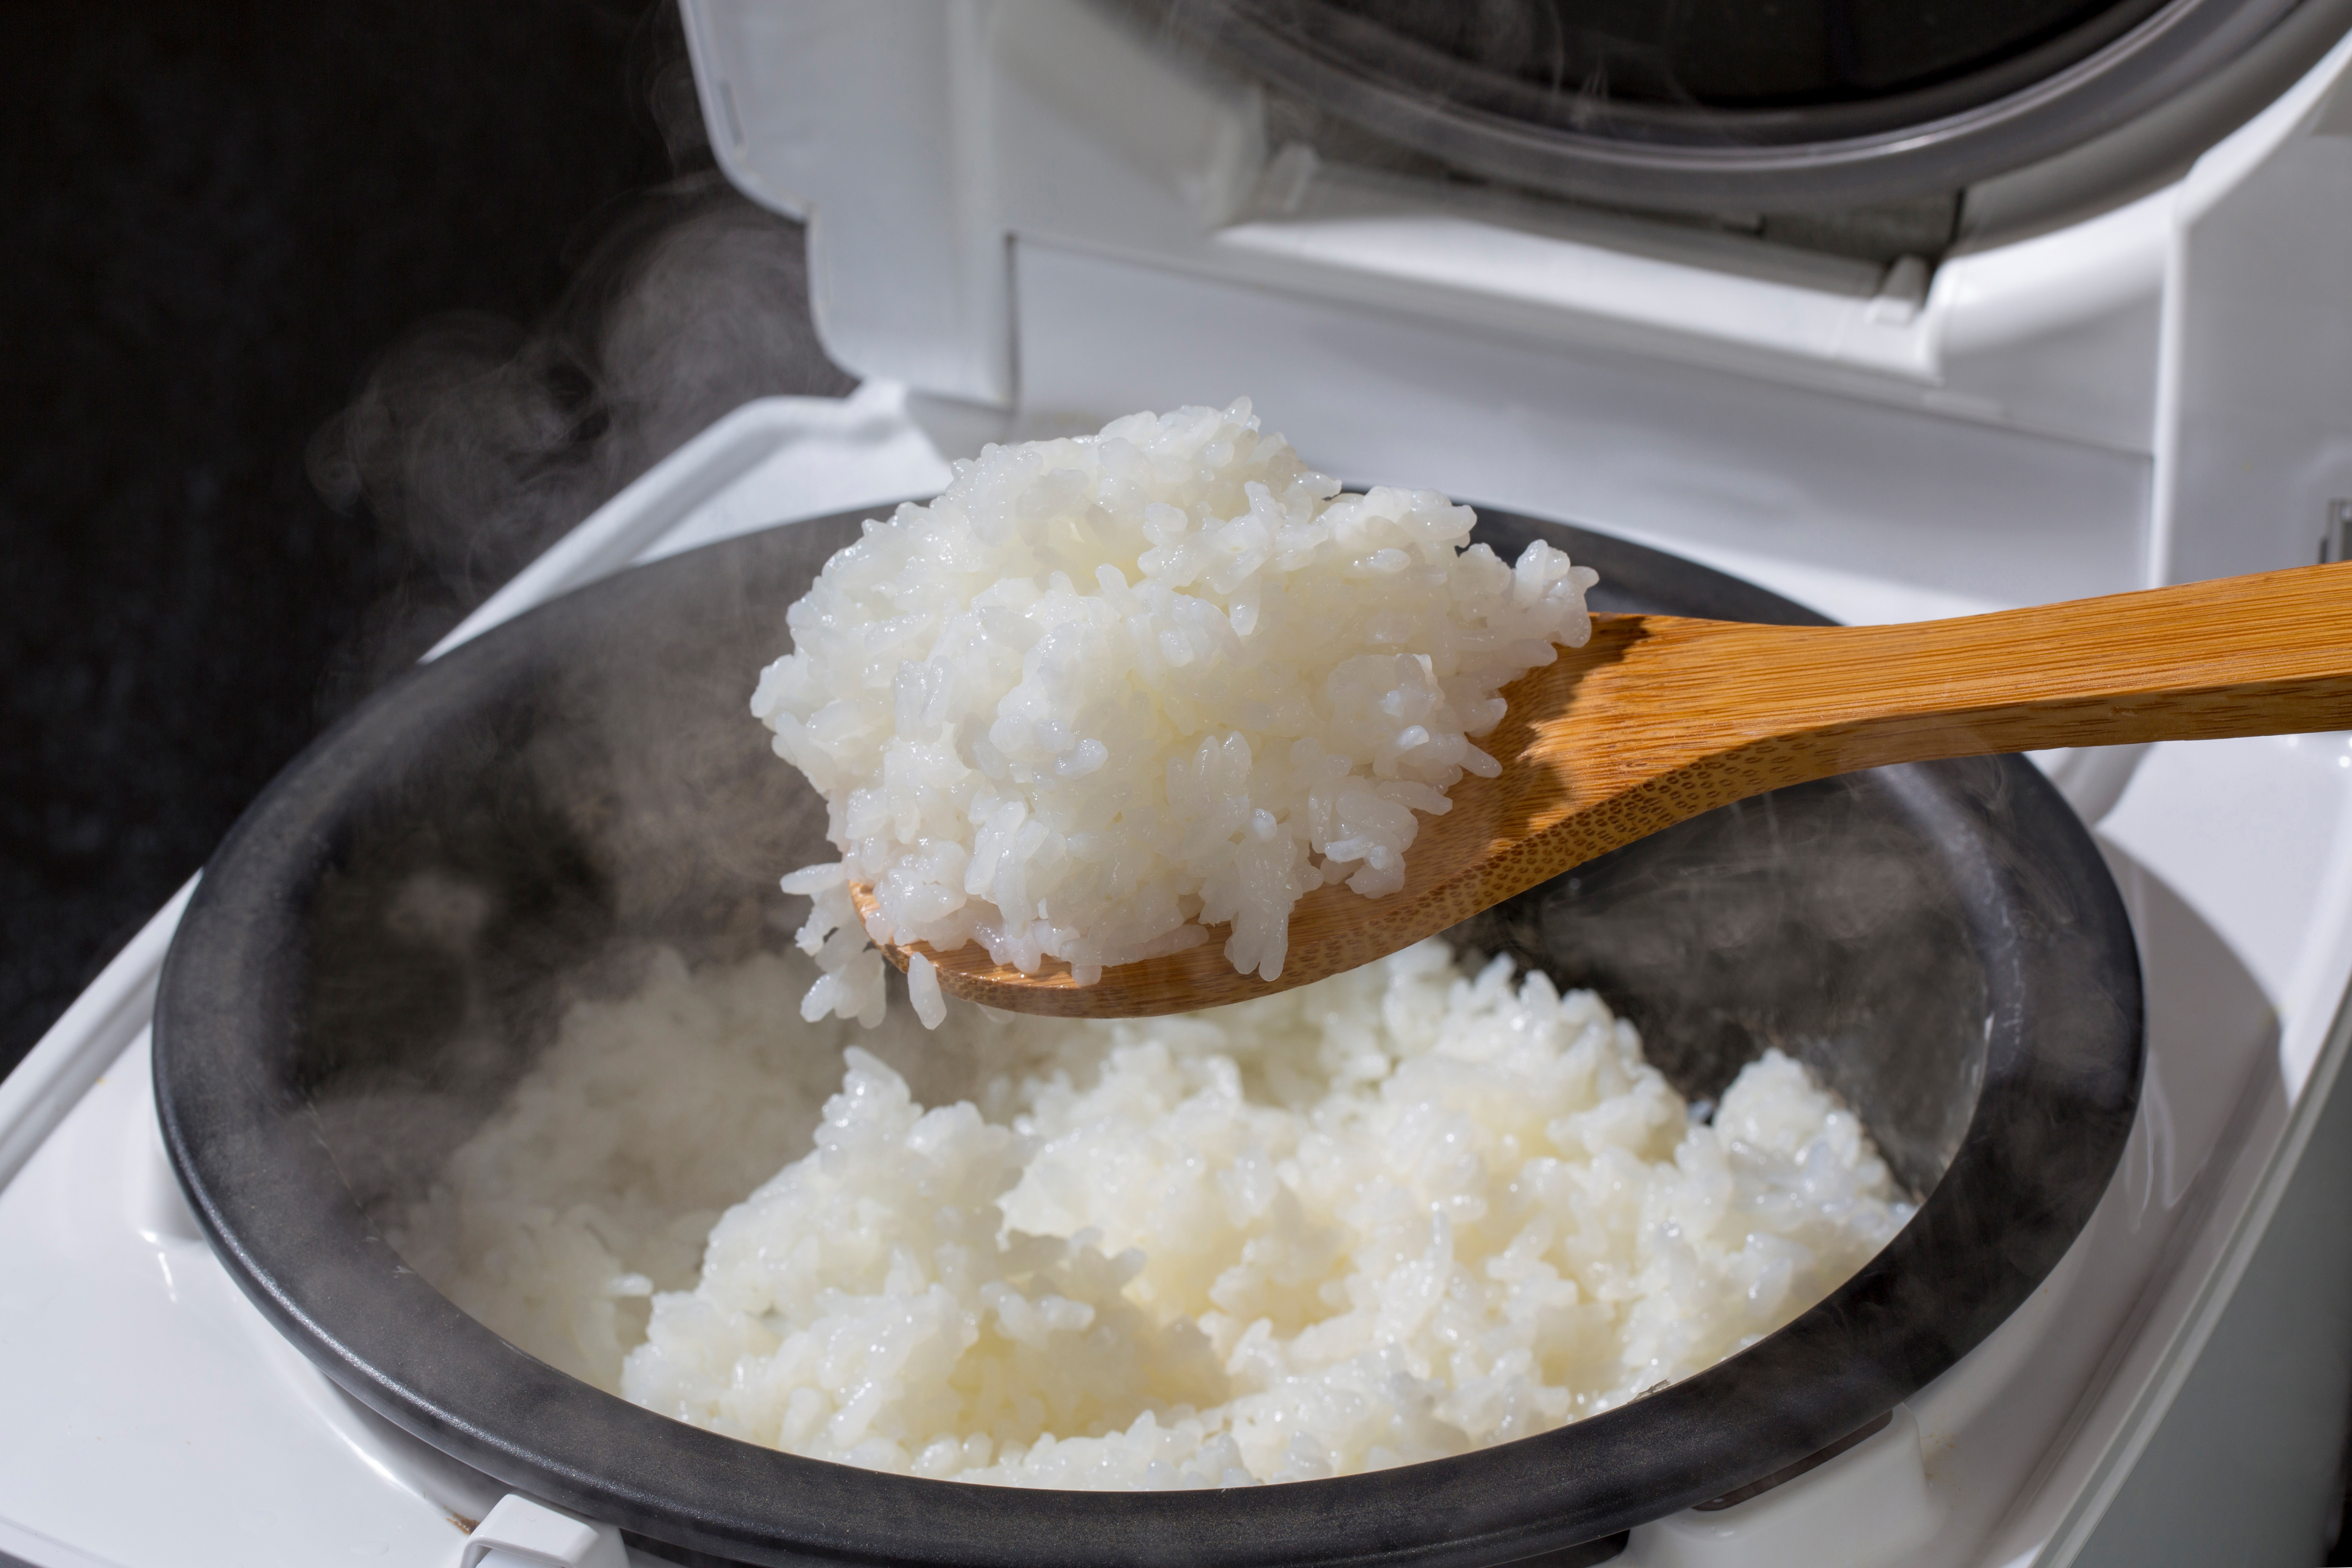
1106,691
1394,1215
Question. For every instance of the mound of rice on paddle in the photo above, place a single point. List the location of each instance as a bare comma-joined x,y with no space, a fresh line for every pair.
1108,691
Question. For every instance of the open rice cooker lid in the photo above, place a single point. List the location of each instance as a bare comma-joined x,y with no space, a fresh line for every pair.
1769,106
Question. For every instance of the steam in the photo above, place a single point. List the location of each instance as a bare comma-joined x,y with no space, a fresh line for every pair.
474,443
477,442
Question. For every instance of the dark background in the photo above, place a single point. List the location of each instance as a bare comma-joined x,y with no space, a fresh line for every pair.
305,327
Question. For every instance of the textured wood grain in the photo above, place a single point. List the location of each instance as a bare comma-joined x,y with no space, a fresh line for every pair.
1658,718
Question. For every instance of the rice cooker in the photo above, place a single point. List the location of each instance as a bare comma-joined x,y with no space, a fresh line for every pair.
1882,316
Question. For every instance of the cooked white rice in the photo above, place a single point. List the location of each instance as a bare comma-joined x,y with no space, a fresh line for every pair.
599,1180
1106,691
1396,1214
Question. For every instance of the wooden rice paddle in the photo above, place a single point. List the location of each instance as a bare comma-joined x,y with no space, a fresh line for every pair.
1658,718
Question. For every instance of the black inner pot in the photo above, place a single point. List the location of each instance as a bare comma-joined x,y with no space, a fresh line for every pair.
370,962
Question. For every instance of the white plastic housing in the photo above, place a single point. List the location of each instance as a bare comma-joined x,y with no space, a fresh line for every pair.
520,1532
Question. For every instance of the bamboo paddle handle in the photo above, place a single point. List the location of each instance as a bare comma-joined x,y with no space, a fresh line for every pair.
1658,718
2268,654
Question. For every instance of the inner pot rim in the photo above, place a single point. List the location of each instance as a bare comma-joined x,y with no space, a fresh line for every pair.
2059,1091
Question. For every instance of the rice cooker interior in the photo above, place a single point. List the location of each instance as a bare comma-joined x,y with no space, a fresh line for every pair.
1942,943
